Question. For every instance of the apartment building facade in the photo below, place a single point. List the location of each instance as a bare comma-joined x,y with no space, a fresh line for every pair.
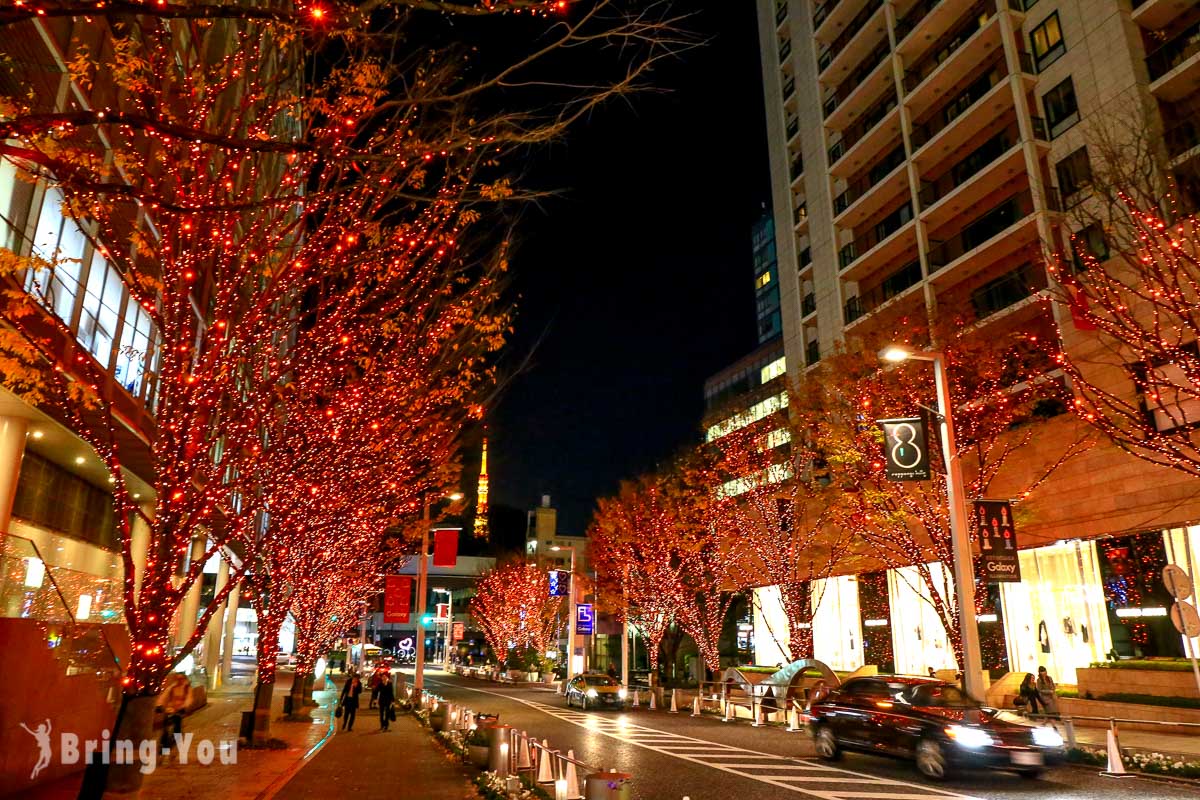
928,154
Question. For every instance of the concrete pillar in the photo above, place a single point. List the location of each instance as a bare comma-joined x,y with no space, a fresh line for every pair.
12,450
191,601
215,632
231,609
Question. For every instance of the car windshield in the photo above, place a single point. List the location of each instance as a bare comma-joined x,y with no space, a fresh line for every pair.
599,680
940,696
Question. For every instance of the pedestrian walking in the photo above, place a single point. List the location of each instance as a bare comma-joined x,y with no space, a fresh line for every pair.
349,703
1029,693
375,678
387,696
1045,690
612,670
173,702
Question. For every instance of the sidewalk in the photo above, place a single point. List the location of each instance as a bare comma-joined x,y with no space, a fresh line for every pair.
1165,743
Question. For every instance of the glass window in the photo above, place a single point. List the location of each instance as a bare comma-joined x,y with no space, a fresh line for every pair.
1074,174
135,346
940,695
1088,241
102,304
58,240
1047,42
1062,110
16,196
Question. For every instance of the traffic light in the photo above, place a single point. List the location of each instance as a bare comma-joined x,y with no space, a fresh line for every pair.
427,620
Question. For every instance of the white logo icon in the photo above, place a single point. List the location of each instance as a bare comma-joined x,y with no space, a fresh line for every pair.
42,734
901,451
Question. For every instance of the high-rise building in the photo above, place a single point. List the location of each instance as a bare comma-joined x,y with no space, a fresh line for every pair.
929,154
766,280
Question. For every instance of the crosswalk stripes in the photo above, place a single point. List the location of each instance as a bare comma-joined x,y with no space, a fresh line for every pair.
809,778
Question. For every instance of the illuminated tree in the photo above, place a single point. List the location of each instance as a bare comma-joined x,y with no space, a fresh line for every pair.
777,516
263,192
999,390
631,546
1130,347
514,609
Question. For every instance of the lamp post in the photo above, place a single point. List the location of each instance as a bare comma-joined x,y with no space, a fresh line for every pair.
960,540
422,575
571,622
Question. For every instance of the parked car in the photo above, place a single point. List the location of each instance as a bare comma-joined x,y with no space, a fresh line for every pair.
595,690
931,722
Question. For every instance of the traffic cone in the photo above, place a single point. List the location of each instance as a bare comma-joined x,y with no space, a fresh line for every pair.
524,762
637,699
696,706
653,700
793,720
759,717
545,771
729,711
1116,767
674,709
571,776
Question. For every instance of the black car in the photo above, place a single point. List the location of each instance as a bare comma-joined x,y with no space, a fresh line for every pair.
930,721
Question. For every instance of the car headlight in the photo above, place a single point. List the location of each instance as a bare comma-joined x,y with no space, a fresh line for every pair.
592,693
1047,737
968,737
622,693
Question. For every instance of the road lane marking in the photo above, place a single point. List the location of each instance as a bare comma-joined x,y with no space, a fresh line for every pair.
654,739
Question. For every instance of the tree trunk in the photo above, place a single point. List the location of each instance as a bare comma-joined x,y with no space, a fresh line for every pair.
268,650
135,722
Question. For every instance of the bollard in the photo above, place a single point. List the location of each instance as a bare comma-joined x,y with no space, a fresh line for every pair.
696,707
729,711
499,738
1069,723
674,705
607,786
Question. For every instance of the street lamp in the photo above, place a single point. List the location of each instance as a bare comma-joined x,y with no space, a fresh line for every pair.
422,575
571,622
964,570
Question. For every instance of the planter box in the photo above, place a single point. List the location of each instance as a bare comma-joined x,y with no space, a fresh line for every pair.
1100,708
1159,683
478,755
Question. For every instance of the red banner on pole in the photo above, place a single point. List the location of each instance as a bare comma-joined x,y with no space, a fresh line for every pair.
397,599
445,547
459,628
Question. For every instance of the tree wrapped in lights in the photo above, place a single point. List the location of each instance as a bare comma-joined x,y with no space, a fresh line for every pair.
777,515
261,201
998,388
631,546
1130,348
515,610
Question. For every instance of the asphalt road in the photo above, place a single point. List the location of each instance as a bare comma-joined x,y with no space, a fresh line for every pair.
673,756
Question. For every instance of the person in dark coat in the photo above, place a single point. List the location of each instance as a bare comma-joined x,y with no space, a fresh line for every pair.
349,704
1030,693
387,696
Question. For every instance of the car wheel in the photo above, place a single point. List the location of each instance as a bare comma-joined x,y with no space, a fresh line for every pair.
827,745
931,759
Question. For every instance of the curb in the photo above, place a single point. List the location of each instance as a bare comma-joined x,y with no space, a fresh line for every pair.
281,781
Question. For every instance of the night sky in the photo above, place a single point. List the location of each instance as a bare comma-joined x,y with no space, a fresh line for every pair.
638,281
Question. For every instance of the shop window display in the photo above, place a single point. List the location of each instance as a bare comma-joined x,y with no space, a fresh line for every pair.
876,621
1137,602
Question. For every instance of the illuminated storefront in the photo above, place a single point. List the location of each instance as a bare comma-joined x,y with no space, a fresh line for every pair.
837,634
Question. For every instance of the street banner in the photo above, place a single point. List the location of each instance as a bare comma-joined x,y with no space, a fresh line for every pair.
443,612
997,538
585,619
397,598
560,581
457,631
445,547
905,449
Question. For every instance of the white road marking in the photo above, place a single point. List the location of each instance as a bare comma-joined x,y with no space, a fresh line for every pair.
655,740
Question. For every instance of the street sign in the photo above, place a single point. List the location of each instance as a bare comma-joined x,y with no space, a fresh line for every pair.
1177,582
1185,619
560,581
997,538
585,619
905,449
397,598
